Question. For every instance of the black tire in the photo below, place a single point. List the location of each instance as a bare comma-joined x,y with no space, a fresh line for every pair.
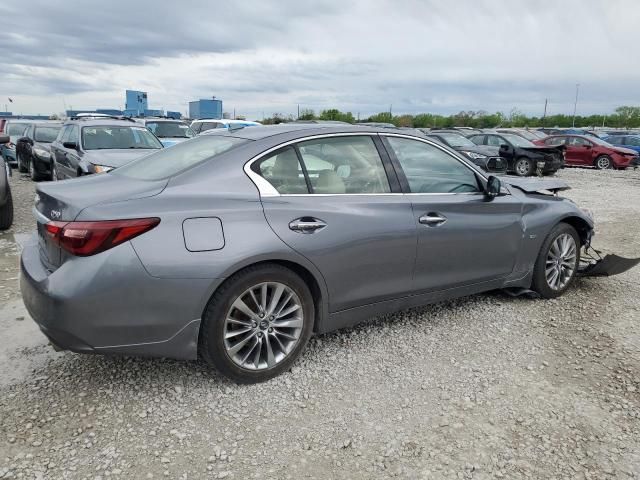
33,173
603,162
539,283
6,213
211,347
21,167
523,167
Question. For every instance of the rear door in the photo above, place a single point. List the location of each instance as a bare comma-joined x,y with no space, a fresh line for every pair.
464,238
338,204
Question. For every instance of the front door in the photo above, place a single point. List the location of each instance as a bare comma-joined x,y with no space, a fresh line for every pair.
336,206
579,151
464,238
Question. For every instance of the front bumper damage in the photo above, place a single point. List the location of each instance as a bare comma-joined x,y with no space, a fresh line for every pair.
595,265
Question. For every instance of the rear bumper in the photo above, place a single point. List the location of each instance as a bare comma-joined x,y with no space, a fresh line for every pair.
109,304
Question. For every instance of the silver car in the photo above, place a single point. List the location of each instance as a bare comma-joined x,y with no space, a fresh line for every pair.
236,247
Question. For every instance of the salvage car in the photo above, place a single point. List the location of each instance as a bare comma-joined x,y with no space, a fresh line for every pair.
6,200
591,151
524,158
88,145
236,247
169,131
33,149
486,157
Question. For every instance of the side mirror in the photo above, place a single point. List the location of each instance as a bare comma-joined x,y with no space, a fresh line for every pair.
70,145
587,146
493,187
4,138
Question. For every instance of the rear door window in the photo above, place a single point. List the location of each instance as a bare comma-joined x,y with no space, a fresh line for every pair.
554,141
344,165
283,171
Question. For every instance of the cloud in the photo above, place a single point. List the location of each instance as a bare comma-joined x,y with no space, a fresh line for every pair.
361,56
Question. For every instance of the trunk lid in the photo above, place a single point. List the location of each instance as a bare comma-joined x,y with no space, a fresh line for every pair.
63,202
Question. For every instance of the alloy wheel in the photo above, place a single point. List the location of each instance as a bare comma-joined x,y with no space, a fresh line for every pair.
561,261
522,167
603,163
263,325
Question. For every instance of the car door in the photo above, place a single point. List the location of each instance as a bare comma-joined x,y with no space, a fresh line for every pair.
338,203
71,157
579,151
464,237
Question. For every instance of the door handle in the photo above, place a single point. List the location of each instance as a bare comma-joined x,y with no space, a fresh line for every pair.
306,225
432,219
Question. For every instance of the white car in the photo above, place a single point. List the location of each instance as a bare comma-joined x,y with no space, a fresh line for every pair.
204,124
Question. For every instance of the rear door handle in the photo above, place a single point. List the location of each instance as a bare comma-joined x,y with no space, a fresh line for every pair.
306,225
432,219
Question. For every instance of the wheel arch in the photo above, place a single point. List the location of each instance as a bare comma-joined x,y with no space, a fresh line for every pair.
584,229
313,279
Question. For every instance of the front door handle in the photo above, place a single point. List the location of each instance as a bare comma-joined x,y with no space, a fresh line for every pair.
432,219
306,225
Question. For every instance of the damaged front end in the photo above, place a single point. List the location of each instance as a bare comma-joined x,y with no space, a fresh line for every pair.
593,264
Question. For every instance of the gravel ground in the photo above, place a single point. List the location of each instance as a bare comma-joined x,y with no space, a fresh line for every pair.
483,387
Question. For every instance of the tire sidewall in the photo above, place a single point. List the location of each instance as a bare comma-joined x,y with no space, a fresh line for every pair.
211,344
539,272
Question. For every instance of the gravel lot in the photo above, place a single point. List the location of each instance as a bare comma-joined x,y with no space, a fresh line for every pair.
483,387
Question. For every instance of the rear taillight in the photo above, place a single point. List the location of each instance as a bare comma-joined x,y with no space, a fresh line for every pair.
88,238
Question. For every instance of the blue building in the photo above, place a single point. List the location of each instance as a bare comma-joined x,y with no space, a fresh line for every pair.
135,102
205,108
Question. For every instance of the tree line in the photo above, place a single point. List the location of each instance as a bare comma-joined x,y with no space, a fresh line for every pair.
623,117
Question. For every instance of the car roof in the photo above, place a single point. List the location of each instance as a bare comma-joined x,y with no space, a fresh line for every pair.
222,120
264,131
102,122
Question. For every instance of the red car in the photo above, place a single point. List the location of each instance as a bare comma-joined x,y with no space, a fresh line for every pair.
591,151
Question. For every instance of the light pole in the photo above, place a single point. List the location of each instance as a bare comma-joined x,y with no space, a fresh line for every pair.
575,105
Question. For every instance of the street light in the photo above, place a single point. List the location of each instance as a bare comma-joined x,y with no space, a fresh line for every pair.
575,105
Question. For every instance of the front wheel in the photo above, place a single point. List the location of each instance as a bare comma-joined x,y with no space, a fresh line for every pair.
557,262
257,323
603,162
524,167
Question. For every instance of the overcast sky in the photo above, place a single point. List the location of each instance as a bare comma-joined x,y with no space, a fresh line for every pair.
438,56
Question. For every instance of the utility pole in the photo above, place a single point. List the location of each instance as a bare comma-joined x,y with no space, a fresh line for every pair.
544,115
575,105
234,113
298,111
390,112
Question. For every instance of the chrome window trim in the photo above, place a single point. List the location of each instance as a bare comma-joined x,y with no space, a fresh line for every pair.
265,189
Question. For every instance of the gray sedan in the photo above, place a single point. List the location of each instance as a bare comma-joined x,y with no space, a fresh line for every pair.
236,247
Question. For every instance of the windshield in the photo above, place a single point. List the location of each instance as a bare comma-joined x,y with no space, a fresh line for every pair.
180,157
456,140
118,137
46,134
517,140
170,129
16,129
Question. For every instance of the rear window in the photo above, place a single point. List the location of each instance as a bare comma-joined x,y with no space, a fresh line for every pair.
171,161
16,128
47,134
115,137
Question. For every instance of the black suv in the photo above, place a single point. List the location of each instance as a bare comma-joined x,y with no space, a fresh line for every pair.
89,144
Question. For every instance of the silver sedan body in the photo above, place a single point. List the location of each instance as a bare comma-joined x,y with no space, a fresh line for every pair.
367,235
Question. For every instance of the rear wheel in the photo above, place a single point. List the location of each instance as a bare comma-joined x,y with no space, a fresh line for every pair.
257,323
524,167
557,262
603,162
6,213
